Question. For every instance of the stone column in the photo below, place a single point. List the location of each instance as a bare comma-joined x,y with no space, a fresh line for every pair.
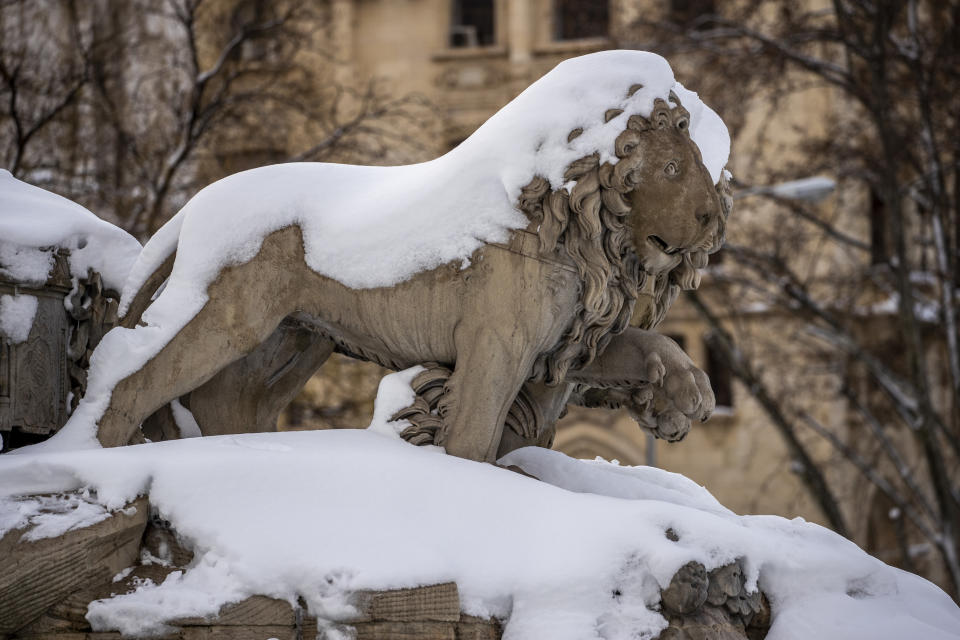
520,31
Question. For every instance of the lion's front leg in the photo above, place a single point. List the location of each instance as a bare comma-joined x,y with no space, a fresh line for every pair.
650,375
489,372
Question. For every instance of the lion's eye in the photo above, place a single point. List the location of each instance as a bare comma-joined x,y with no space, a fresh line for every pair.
671,169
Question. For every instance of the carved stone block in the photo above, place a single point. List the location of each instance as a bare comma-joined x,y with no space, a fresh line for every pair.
33,373
40,573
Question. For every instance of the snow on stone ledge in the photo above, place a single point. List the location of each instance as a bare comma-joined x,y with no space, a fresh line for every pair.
16,316
34,222
320,514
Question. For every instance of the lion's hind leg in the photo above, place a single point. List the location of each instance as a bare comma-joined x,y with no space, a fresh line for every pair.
246,304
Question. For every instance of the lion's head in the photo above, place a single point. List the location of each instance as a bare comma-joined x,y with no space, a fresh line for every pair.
637,229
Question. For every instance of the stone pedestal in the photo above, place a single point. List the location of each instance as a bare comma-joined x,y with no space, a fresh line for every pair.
48,584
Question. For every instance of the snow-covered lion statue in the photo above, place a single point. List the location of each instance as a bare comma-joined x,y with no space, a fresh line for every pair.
516,260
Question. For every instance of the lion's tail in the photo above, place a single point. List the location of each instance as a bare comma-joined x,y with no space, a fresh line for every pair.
149,272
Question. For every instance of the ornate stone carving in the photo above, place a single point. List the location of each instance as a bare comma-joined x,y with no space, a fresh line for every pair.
43,378
33,386
92,311
524,418
716,605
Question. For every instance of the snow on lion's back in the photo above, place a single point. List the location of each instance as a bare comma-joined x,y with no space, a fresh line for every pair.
376,226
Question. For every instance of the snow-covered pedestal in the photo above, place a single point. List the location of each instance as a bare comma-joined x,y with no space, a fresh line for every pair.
310,528
61,269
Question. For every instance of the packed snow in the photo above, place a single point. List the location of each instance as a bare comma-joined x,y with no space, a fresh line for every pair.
34,223
377,226
16,316
364,510
183,418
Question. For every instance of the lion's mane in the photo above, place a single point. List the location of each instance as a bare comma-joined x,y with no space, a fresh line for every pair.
590,225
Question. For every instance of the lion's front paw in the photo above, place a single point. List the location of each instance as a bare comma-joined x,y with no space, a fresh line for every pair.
667,409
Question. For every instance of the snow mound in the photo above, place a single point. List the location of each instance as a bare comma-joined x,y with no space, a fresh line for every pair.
320,514
35,222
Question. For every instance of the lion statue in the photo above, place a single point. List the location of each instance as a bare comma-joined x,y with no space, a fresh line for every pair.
514,263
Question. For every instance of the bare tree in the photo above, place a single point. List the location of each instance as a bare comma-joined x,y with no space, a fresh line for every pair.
863,295
164,92
42,71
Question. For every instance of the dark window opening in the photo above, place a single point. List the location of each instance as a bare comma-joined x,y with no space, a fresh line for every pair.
471,23
721,379
578,19
878,230
680,339
692,13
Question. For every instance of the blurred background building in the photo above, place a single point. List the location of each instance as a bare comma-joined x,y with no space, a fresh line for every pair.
827,324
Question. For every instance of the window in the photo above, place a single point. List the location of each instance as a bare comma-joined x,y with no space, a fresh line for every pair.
471,23
719,373
576,19
690,12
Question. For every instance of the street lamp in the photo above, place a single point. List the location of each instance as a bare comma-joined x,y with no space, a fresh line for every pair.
812,189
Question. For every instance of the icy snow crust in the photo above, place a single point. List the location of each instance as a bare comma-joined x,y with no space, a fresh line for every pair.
49,516
33,221
319,514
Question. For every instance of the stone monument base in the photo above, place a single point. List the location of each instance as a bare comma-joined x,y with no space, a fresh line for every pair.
46,590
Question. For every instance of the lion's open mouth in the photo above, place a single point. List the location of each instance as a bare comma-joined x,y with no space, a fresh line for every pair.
661,244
